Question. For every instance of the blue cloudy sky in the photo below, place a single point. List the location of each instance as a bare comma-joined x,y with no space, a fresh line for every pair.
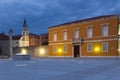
41,14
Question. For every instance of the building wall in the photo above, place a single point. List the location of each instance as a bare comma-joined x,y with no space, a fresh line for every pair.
24,41
44,39
112,49
60,53
97,37
34,41
35,51
4,46
15,43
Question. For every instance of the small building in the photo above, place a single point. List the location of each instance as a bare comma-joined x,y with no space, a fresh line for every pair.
16,40
34,39
4,45
92,37
44,39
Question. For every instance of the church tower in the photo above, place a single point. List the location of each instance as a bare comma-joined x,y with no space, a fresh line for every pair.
25,34
25,31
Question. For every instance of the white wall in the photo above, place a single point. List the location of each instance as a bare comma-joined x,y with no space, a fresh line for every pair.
15,43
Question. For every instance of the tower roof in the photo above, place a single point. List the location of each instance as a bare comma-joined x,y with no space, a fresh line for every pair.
24,23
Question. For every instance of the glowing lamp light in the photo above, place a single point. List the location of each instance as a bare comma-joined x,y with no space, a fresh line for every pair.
59,50
24,51
42,51
97,49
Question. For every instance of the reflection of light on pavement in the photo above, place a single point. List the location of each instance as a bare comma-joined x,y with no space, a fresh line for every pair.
21,65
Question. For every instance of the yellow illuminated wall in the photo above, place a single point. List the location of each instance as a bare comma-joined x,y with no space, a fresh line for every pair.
23,51
60,51
97,38
42,51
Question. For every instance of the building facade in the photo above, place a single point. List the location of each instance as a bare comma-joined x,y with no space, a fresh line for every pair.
93,37
34,40
16,41
44,39
4,45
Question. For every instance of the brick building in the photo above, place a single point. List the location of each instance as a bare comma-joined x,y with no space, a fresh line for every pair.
44,39
92,37
34,39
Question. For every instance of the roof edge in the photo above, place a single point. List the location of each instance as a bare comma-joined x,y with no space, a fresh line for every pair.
86,19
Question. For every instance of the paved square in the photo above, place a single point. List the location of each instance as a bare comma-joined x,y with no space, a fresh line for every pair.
60,69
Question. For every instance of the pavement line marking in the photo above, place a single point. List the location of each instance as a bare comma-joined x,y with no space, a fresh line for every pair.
32,61
80,62
21,65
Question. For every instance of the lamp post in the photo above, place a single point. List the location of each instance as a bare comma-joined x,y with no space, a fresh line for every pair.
10,43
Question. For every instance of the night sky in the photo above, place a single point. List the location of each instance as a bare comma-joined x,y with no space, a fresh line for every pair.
41,14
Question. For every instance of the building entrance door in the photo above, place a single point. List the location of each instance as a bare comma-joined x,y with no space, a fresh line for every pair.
76,50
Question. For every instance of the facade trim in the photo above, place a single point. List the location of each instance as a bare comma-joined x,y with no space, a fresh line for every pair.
60,56
85,56
100,56
102,36
101,40
87,38
84,41
60,43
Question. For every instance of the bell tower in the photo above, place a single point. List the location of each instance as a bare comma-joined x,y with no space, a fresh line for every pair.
25,34
25,31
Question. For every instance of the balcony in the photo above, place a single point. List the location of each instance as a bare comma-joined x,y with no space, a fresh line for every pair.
76,40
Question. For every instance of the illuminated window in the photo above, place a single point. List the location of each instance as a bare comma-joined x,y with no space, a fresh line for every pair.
54,49
89,47
105,47
89,32
55,36
65,48
105,31
64,35
76,33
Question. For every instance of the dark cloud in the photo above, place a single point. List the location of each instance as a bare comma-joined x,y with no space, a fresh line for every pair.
41,14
